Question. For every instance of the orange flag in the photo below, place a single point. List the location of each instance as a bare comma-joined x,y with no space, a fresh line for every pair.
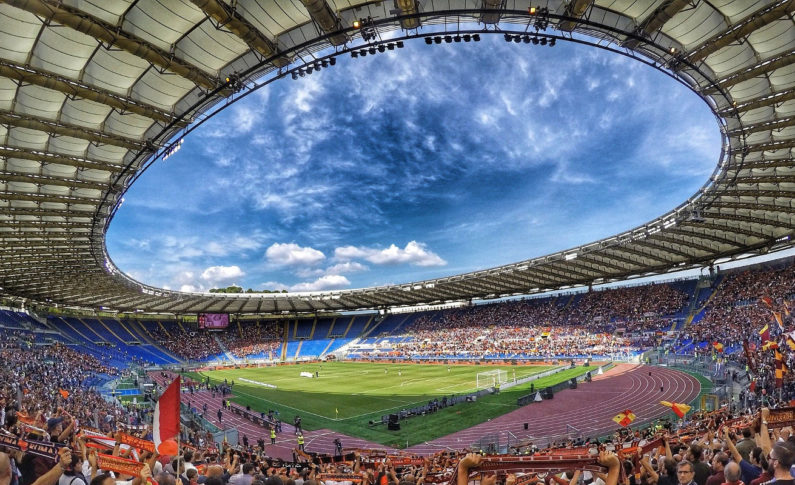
624,418
64,393
678,408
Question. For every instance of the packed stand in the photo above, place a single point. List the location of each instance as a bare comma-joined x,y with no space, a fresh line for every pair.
188,345
252,338
583,324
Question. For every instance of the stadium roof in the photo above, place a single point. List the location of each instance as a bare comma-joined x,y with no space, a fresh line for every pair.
92,91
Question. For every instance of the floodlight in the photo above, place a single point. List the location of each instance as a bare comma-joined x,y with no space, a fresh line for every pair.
507,37
467,37
535,40
372,50
476,37
438,39
399,44
332,61
354,54
543,41
428,40
357,24
381,48
552,42
457,38
448,38
532,10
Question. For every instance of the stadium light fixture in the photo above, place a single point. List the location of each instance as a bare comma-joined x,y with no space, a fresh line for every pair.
476,37
532,10
570,256
357,24
552,42
467,37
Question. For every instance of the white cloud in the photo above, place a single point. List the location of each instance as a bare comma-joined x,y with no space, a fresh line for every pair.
222,274
291,254
328,282
244,118
348,267
414,253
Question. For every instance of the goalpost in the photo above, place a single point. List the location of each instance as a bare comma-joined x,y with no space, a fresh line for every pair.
491,378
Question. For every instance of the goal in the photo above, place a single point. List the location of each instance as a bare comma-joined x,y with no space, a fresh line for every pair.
491,378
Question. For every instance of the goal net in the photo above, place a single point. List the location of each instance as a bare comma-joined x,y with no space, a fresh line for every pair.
491,378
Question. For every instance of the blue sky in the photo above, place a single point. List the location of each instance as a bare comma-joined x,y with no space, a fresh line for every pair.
413,164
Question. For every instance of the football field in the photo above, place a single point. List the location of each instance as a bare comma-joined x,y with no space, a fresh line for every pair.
349,390
351,397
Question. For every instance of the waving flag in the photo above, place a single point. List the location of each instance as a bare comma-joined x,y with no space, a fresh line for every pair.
165,425
678,408
764,334
624,418
718,346
767,301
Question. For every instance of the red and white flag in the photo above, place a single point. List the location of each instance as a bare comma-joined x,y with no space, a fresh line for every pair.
166,423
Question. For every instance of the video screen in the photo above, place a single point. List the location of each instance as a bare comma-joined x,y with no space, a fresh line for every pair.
211,321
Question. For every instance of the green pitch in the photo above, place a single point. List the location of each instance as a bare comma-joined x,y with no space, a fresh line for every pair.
347,396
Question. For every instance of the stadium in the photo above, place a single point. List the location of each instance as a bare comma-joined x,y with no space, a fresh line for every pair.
571,363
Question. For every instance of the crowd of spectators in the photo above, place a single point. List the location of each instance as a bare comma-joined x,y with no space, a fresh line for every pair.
187,345
252,338
593,323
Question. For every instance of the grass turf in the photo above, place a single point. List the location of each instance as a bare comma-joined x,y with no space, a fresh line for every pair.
347,396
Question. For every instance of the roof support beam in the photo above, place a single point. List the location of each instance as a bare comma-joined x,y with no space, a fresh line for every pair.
329,22
656,20
592,258
766,66
760,102
680,242
75,19
44,180
769,125
765,164
227,16
769,146
754,207
45,79
574,10
35,197
742,29
753,220
641,254
57,158
662,248
63,129
701,235
727,229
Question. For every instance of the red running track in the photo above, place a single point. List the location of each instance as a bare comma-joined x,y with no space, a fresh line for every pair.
589,408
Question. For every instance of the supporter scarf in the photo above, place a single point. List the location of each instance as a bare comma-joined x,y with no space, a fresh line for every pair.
341,477
543,463
119,465
779,418
136,442
40,448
